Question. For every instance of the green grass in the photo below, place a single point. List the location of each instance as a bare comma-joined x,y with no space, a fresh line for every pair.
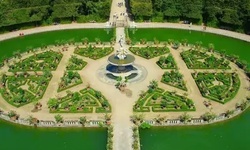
231,45
48,38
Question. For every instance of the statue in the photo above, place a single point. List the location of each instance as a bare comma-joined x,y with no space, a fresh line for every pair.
121,53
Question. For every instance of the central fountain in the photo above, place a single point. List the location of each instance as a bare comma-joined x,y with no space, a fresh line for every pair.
121,64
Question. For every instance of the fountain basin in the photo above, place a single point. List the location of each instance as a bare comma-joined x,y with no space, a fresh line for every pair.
114,60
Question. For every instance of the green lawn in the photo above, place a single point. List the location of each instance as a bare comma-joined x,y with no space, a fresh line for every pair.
7,47
231,45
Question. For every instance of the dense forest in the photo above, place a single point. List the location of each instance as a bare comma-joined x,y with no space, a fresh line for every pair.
22,13
226,14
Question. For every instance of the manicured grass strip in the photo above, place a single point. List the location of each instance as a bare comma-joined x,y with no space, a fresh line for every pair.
49,38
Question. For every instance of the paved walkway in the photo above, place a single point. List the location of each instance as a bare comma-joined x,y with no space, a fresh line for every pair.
122,110
118,11
193,90
51,28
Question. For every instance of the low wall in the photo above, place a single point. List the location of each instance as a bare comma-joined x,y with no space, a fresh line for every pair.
51,123
197,121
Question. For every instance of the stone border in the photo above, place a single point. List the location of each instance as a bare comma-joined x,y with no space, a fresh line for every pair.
199,121
51,123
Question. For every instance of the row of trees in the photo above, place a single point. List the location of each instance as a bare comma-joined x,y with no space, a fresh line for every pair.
229,14
15,13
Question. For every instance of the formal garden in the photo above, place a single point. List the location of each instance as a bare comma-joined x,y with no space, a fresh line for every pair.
31,64
149,51
69,80
24,88
174,78
37,62
220,87
167,62
75,63
86,100
25,79
197,59
159,100
94,52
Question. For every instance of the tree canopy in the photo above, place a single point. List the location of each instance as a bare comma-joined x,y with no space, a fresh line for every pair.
228,14
18,12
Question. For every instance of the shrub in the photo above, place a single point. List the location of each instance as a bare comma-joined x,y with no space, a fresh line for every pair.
145,125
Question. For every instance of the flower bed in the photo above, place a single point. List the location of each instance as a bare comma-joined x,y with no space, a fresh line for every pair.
149,52
94,52
163,101
38,62
85,101
220,87
175,79
196,59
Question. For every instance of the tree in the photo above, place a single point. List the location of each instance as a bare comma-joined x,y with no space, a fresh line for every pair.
33,120
58,118
192,10
153,85
76,97
12,114
83,121
242,105
159,120
53,103
230,17
211,47
137,119
208,116
171,9
98,94
65,10
229,113
211,10
185,118
141,9
145,125
158,5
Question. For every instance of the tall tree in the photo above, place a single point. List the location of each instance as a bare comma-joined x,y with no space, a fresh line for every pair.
192,10
142,8
211,10
172,9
